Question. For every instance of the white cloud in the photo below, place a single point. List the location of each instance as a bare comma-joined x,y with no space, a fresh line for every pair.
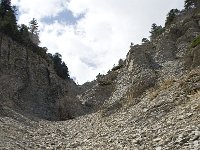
39,8
102,37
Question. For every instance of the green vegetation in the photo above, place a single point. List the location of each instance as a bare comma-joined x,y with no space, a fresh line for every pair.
195,42
34,26
120,65
145,40
156,31
28,36
34,32
8,22
171,16
59,66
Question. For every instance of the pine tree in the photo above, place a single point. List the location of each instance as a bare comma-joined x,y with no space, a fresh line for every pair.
60,66
171,16
145,40
34,32
5,6
156,31
23,30
8,21
33,26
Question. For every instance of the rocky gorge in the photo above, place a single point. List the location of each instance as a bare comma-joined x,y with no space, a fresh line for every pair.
151,100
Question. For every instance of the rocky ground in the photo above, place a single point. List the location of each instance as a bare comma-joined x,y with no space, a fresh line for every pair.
163,119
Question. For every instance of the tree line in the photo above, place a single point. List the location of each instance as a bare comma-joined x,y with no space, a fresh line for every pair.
28,36
157,30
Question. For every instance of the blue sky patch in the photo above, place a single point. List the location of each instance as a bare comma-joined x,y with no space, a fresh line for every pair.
64,16
88,62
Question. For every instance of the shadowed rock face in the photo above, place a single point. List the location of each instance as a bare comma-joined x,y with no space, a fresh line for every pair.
29,84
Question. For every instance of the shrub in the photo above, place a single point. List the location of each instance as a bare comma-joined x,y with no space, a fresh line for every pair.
60,66
195,42
145,40
120,65
156,31
171,16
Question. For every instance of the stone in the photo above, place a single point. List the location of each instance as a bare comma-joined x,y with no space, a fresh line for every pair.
159,148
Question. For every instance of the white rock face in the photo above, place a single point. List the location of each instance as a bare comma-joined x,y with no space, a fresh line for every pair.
130,66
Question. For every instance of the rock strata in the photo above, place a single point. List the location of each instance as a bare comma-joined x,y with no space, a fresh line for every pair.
29,83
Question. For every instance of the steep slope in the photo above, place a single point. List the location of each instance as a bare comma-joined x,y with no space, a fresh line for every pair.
165,118
166,58
30,85
150,101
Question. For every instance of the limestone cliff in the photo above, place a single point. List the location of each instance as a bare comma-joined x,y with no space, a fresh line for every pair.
30,85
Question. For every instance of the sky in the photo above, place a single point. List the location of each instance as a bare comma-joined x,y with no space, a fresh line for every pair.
92,35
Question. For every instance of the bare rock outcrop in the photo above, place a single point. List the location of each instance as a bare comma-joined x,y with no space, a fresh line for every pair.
30,84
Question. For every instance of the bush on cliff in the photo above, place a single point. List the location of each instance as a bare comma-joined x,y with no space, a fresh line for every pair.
195,42
60,66
171,16
156,31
